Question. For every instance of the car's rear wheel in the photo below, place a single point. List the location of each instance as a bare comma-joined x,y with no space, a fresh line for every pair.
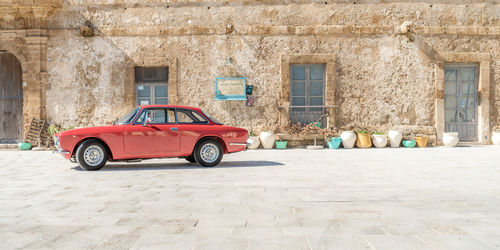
208,153
191,159
91,155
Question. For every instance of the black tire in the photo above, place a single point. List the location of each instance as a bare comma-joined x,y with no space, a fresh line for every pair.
96,155
191,159
212,154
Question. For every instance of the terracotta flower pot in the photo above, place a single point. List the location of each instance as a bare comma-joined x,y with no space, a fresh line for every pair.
348,139
363,140
421,141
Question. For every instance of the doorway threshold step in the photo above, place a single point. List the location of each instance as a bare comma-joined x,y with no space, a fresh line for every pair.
8,146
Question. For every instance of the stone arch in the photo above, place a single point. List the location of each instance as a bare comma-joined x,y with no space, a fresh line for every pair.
17,52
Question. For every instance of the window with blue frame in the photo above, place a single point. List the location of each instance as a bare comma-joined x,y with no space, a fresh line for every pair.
151,84
307,85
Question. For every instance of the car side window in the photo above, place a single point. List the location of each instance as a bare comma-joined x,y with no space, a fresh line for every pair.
171,115
153,116
140,118
190,116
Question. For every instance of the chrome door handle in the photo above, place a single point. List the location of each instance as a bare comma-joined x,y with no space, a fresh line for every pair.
173,129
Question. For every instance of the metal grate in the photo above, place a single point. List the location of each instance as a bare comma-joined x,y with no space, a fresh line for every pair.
309,114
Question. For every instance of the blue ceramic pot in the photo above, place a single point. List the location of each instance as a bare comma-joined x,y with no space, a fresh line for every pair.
334,142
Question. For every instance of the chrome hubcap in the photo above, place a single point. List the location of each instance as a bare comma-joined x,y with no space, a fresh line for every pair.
209,153
93,155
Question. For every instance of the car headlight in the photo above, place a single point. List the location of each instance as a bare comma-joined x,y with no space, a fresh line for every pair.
56,141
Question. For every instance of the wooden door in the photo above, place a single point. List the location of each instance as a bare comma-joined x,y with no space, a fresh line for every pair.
11,98
461,84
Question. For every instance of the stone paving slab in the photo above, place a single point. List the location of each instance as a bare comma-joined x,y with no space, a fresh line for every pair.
422,198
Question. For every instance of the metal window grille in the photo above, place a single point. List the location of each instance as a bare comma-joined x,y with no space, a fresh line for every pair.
307,85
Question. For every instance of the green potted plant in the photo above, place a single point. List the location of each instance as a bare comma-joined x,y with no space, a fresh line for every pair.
333,139
421,140
408,140
363,140
379,139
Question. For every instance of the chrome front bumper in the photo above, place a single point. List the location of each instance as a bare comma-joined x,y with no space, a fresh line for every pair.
60,151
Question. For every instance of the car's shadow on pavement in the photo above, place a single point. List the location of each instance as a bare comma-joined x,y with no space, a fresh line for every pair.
175,166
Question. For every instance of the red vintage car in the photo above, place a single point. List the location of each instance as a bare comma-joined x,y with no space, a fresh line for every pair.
153,131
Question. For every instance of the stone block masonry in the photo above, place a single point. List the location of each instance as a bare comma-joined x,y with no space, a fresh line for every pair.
380,77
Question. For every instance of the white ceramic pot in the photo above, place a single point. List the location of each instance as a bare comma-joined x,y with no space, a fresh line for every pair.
450,139
267,139
254,142
379,141
495,138
395,137
348,139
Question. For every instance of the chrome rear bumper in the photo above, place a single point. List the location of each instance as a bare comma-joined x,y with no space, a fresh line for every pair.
238,144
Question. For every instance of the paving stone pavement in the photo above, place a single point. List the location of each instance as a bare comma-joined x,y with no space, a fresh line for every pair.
422,198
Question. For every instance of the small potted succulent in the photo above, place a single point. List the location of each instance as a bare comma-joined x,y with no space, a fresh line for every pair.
333,139
363,140
254,141
421,140
409,140
379,139
333,142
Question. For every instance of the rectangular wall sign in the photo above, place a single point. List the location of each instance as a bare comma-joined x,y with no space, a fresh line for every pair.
227,88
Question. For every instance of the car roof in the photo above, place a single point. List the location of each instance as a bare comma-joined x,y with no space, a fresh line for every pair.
169,106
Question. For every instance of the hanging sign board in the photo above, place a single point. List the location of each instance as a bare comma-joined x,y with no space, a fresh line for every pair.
230,88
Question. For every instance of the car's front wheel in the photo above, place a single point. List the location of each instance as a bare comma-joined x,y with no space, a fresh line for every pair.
91,155
208,153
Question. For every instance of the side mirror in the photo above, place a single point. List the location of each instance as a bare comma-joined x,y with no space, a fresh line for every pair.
145,123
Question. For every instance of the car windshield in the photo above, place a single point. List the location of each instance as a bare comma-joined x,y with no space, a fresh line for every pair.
211,118
126,119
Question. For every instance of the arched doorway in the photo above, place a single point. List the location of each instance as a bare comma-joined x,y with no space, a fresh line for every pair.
11,99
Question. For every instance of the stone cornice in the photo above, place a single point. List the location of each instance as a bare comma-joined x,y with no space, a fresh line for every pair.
29,8
159,30
183,3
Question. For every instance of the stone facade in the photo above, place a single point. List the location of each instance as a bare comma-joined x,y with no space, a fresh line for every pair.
384,58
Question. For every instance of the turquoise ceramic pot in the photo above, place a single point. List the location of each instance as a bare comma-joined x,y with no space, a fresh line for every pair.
334,143
24,146
281,144
409,143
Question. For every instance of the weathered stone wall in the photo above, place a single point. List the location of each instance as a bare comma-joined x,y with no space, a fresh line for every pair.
382,78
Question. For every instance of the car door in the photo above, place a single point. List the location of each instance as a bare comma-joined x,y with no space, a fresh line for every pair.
191,126
155,133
